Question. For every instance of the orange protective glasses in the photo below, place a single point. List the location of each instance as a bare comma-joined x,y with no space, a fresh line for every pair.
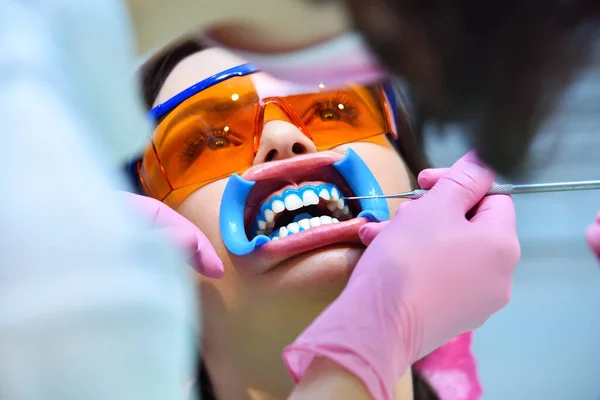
215,131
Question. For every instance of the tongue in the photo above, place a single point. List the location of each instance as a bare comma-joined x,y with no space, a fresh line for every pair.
302,216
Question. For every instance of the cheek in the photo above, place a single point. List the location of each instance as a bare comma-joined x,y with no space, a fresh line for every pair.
202,209
387,166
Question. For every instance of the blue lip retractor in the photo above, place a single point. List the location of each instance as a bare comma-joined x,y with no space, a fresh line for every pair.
231,216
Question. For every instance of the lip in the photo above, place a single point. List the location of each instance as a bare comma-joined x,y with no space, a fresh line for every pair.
291,167
352,169
314,238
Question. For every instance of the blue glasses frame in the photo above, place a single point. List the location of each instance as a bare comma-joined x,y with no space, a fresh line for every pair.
162,109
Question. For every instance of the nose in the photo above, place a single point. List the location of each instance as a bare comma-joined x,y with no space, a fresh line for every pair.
280,140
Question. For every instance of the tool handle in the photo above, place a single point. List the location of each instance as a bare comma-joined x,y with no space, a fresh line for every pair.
506,189
496,189
501,189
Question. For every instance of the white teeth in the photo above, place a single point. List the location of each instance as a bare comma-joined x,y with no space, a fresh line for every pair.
304,224
343,212
294,227
278,206
293,202
309,198
269,215
335,195
325,220
283,232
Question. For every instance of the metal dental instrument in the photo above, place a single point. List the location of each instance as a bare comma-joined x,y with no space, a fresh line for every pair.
499,189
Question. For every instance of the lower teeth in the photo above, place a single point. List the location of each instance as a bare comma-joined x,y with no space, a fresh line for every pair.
302,225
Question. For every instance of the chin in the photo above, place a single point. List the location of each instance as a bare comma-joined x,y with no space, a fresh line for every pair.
322,272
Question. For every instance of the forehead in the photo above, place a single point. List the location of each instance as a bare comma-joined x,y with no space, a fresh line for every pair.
206,63
195,68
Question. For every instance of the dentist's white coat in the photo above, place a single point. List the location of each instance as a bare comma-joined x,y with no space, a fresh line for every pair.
91,306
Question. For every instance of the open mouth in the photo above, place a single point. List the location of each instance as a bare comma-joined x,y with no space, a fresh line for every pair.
298,202
279,209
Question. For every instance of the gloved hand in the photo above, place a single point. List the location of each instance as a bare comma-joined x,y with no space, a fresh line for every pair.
593,236
173,225
430,275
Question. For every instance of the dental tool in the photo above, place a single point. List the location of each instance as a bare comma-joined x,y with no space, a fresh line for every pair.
507,189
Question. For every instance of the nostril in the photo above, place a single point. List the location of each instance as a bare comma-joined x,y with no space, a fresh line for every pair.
271,155
298,148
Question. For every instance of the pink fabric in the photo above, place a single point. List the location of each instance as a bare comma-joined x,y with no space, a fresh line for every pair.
452,371
593,236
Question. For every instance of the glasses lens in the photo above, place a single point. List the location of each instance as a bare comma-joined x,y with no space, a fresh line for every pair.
338,117
207,137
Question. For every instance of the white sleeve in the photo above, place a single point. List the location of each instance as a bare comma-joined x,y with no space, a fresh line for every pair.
91,306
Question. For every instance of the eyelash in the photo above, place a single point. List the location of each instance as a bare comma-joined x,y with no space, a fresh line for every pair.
349,114
192,146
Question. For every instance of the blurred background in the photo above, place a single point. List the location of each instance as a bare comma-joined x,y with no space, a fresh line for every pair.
546,343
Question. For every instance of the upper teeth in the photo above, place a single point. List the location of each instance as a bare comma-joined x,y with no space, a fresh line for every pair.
324,194
309,197
294,199
292,202
278,206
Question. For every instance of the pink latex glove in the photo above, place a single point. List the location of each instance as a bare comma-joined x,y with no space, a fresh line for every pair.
186,235
430,275
593,236
451,370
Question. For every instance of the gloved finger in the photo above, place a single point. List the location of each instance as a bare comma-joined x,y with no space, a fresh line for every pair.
165,217
369,231
465,183
146,205
498,211
200,252
162,215
210,263
593,237
429,177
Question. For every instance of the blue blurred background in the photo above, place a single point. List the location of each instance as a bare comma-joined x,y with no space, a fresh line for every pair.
546,343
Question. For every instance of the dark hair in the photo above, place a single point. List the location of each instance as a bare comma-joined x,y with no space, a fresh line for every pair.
497,69
153,75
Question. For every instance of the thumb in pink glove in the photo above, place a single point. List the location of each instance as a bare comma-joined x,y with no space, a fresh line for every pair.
593,236
186,235
426,179
429,275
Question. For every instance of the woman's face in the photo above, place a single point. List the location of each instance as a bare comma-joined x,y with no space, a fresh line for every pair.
274,295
